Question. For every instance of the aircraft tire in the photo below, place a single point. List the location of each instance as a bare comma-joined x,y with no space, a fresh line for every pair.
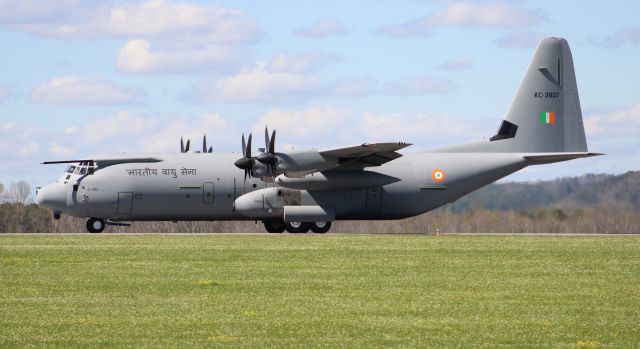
320,227
297,227
274,226
95,225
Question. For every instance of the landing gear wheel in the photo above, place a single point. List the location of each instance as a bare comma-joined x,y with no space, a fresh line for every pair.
297,227
95,225
274,226
320,227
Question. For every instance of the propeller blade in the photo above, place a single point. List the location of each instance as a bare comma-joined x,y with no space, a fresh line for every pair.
266,139
272,144
181,145
186,149
204,144
211,149
244,146
248,155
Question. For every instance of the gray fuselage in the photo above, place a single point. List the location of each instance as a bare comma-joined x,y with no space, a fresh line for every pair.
204,186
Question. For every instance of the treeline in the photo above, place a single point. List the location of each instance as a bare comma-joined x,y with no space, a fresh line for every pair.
31,218
592,190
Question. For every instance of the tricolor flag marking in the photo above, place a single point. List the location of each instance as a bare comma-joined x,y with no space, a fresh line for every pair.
548,117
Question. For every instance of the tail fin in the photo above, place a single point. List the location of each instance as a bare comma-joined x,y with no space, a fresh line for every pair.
545,115
546,108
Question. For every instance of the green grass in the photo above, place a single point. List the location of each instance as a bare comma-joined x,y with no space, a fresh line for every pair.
319,291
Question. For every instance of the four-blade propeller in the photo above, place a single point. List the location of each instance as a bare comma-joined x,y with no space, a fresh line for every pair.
185,148
246,162
269,157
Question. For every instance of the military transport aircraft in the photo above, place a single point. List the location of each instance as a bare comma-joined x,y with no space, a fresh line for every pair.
304,190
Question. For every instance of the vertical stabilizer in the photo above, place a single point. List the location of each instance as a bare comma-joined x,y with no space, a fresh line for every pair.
544,116
546,107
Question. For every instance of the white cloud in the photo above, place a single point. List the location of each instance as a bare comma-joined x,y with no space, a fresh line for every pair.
18,140
356,87
260,85
420,86
427,129
183,21
121,124
619,123
304,126
82,90
166,134
457,64
59,150
284,62
467,14
323,28
621,37
5,93
137,56
70,130
520,39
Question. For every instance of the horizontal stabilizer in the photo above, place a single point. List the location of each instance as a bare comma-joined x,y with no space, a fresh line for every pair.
548,158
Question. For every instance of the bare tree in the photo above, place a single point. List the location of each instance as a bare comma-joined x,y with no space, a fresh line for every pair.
19,192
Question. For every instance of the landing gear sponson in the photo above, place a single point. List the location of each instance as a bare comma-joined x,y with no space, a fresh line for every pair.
279,226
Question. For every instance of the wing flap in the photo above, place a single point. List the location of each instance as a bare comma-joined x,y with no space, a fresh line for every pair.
108,161
365,155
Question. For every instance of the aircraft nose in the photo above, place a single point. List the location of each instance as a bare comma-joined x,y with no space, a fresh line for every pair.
52,196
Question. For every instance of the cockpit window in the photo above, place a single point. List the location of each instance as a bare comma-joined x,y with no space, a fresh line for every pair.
83,171
70,169
76,170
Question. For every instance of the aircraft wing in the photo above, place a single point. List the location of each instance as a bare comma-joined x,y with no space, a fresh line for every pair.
104,161
364,155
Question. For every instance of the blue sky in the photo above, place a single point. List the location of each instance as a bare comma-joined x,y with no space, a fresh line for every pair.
80,77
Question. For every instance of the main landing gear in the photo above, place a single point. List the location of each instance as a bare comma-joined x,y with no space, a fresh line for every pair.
95,225
279,226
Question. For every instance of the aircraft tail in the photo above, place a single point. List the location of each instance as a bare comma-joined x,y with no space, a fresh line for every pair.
545,114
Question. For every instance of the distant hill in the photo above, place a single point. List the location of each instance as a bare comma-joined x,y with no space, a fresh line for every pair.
592,190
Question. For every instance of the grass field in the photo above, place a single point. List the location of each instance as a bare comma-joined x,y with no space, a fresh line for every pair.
319,291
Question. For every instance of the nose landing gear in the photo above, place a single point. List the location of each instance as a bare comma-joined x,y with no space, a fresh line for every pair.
95,225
